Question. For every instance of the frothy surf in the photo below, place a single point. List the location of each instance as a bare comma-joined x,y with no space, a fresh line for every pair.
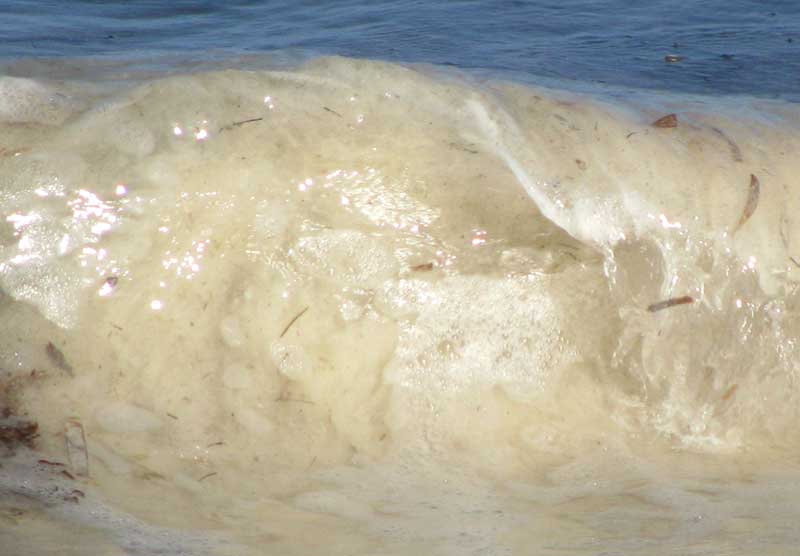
404,310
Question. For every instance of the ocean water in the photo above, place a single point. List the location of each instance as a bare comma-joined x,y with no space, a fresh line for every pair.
447,278
727,47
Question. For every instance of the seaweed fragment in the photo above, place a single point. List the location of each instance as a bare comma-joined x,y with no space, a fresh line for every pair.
671,302
334,112
424,267
752,202
670,120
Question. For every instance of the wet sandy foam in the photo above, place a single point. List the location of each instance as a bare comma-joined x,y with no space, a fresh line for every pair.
363,308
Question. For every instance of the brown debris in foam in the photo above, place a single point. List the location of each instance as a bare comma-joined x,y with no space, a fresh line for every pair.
6,152
51,463
670,120
111,281
16,431
459,147
672,302
238,124
736,152
74,496
752,202
729,392
425,267
291,322
57,358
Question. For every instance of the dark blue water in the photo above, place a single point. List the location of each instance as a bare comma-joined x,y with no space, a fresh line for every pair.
725,46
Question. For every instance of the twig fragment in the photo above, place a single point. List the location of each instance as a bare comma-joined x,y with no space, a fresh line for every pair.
672,302
238,124
291,322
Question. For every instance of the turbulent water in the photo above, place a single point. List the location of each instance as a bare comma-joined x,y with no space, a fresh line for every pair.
355,307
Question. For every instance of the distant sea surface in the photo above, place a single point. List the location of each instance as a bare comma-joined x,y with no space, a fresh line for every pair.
715,47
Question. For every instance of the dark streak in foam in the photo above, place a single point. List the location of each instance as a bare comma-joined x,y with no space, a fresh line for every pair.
425,267
291,322
672,302
752,202
239,124
736,152
57,358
